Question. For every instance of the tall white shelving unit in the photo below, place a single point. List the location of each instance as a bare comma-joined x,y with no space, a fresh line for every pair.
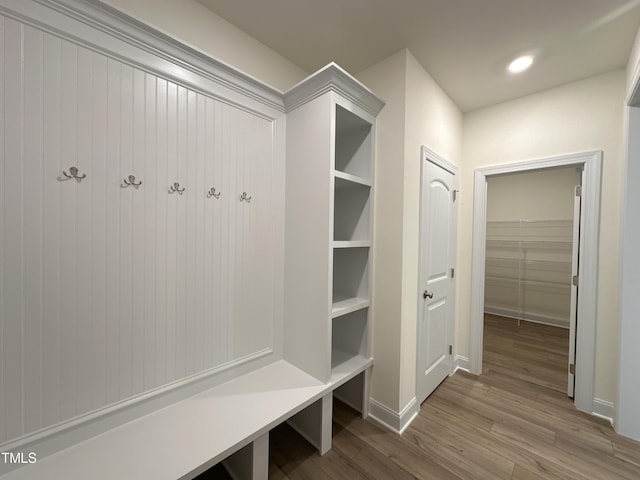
329,207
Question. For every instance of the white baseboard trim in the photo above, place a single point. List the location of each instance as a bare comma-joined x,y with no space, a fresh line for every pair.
394,421
603,409
461,363
527,316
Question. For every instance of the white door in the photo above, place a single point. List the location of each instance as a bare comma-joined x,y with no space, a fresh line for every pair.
436,284
573,315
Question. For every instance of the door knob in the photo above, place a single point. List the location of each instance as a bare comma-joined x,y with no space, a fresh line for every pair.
427,294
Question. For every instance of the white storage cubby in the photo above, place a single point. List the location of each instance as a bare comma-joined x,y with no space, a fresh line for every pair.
353,138
350,274
351,210
330,199
146,222
349,340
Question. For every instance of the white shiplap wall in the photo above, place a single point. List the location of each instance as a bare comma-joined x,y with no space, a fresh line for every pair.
108,292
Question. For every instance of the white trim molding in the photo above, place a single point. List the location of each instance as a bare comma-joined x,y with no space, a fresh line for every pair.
332,77
591,162
389,418
603,409
104,29
461,363
426,154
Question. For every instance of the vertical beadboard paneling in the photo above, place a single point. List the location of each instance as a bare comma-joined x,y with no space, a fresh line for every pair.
260,251
32,224
171,280
3,384
108,292
148,253
12,344
200,313
157,189
84,218
113,229
181,319
190,164
227,154
138,229
126,310
209,274
51,135
68,231
238,148
220,236
102,181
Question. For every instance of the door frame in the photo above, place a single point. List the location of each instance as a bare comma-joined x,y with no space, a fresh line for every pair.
591,162
428,155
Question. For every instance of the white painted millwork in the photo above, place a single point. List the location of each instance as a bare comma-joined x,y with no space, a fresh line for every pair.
627,420
189,436
438,224
142,251
112,292
575,285
330,140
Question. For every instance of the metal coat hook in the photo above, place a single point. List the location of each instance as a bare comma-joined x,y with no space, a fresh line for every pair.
73,173
131,181
175,188
245,197
212,193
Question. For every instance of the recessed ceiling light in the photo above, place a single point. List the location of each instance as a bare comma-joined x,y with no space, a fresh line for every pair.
520,64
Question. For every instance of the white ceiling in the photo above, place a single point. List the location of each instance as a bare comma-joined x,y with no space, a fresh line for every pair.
464,44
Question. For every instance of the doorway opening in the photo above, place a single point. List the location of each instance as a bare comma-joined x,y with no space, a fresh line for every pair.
532,233
589,213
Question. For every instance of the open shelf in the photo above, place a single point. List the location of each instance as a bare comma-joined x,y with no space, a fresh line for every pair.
349,342
350,273
345,366
352,244
353,152
343,305
351,211
352,178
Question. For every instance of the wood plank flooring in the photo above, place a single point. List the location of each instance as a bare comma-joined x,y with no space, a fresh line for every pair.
513,422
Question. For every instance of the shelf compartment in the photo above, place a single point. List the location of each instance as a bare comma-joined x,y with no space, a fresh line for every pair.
351,211
351,178
345,366
353,149
350,273
352,244
343,305
349,341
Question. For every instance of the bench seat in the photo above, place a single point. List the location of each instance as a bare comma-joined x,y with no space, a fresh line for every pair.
186,438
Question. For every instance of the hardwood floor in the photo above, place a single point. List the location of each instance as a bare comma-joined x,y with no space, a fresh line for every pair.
513,422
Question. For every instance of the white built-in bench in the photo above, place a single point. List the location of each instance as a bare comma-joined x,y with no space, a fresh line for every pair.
228,422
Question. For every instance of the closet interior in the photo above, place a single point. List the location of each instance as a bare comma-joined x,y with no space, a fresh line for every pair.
529,246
